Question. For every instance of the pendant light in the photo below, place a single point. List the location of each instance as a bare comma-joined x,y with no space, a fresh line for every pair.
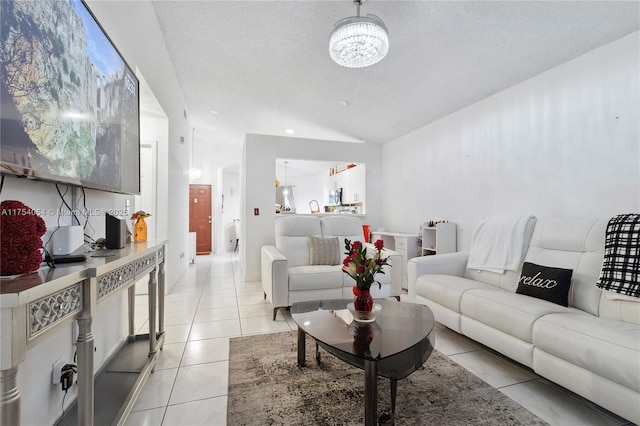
285,189
359,41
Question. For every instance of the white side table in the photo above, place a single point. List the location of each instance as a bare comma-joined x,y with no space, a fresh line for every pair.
405,244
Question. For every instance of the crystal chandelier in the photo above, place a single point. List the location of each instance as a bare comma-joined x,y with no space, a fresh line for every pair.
359,41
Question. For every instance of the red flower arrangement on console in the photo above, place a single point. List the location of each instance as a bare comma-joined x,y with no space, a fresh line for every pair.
363,267
21,230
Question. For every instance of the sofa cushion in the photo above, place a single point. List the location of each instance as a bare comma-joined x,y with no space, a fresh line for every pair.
323,251
608,348
313,277
576,244
291,232
446,290
625,308
508,312
342,226
546,283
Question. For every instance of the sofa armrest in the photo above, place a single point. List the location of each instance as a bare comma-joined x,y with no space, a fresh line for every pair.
441,264
275,276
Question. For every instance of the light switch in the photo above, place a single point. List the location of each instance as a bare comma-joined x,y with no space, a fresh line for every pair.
256,212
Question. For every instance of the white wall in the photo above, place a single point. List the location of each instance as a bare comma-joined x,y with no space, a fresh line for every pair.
147,54
564,143
157,129
258,173
231,192
305,189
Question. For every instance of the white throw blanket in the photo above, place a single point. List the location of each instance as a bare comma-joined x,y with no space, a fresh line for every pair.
497,243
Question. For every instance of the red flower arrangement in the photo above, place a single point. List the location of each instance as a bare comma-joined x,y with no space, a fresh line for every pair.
21,230
361,266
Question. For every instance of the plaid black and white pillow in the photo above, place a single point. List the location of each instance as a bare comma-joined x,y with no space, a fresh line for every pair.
621,266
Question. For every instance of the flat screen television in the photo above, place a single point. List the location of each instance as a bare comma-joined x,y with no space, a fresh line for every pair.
69,101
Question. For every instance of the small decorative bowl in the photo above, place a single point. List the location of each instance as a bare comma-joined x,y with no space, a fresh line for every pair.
364,316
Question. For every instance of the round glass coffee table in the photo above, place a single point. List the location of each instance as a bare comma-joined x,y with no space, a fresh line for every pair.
395,345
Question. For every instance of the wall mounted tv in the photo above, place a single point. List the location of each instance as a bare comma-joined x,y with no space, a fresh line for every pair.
69,101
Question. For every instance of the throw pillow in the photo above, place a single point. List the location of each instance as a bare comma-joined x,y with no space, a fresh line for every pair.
545,282
621,265
324,251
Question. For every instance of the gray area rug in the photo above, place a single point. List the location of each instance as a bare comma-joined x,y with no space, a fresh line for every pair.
266,387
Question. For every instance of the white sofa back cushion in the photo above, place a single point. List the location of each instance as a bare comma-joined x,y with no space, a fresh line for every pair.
572,243
292,234
349,227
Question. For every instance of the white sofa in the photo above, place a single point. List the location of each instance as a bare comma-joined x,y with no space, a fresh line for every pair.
591,347
288,277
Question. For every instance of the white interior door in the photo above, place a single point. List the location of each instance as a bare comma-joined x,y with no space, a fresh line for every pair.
148,198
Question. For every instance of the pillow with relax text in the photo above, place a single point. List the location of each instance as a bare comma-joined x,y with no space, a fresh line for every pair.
545,282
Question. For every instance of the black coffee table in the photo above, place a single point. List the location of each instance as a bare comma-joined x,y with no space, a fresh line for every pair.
396,344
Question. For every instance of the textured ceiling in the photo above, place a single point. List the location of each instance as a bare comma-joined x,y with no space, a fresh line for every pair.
264,66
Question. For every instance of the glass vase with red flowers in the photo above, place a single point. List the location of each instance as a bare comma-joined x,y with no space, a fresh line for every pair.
363,265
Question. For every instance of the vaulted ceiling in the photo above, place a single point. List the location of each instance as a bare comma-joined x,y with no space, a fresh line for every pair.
264,66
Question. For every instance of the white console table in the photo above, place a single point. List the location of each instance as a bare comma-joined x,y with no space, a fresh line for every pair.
405,244
34,306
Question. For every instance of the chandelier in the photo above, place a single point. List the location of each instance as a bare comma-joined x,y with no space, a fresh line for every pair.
359,41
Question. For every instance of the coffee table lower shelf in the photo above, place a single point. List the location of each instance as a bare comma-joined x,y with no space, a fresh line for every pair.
118,385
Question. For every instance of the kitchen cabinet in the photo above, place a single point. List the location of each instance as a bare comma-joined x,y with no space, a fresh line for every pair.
356,186
438,239
353,185
352,182
405,244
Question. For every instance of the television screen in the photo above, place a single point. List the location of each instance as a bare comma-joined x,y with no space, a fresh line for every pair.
69,102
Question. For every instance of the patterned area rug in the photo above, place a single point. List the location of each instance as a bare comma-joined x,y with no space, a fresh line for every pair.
267,388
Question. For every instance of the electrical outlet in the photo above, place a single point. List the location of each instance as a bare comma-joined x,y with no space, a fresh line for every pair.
57,371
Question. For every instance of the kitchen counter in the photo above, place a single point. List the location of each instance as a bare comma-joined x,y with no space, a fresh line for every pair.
324,214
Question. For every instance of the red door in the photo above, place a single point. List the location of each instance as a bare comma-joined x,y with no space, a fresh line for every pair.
200,216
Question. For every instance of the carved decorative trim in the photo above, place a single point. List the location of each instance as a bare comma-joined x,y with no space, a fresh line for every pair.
160,254
145,262
114,279
45,312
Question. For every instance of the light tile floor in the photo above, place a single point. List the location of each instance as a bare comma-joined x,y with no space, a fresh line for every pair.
211,303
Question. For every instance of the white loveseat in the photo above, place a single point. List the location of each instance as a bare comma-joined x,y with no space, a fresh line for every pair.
288,277
591,347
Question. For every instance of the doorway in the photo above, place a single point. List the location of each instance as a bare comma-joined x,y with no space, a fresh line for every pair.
200,216
148,199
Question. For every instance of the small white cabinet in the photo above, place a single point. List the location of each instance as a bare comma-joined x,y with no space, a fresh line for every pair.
438,239
405,244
